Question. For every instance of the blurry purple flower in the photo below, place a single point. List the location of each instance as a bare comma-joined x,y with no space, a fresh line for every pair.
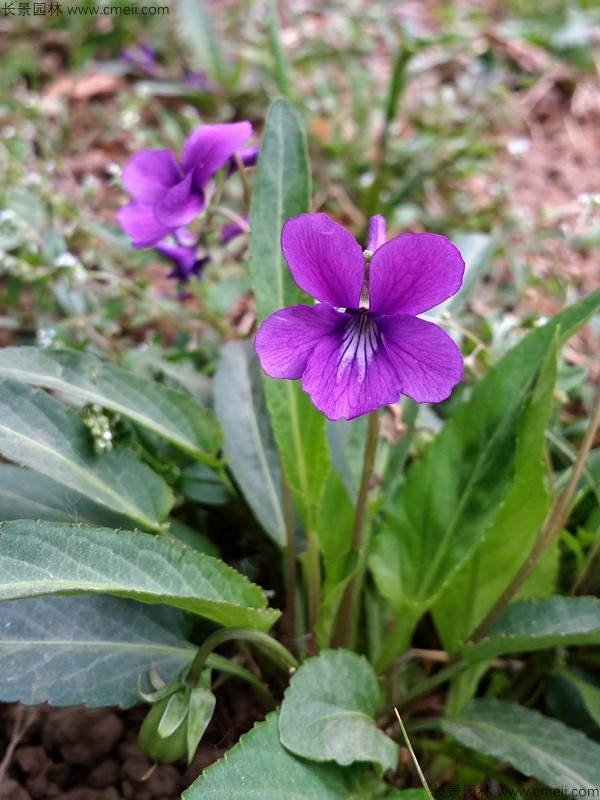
247,155
200,82
142,57
362,345
167,195
230,231
185,260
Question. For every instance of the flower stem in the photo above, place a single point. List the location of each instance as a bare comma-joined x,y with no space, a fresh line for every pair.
313,580
289,617
276,651
347,623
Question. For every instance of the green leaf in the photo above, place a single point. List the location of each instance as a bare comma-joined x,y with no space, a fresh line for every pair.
441,513
535,745
280,67
327,712
197,31
87,649
488,571
248,441
589,693
281,191
476,250
84,378
201,707
29,495
36,431
260,767
50,558
536,624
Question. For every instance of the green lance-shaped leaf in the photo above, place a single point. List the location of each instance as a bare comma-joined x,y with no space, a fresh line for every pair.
197,31
248,441
84,378
87,649
327,712
588,692
36,431
260,767
281,191
50,558
535,745
489,569
439,516
536,624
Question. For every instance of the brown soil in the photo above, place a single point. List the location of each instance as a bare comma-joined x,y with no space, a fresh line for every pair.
76,753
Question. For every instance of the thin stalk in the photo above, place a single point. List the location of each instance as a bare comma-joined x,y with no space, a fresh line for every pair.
313,581
550,529
454,666
413,757
589,560
289,618
346,629
396,87
276,651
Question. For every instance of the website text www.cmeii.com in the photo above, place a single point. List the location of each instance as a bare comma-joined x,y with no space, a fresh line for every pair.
54,9
467,792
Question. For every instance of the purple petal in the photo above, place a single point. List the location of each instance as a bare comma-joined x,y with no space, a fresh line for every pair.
376,233
149,174
184,258
208,148
139,221
285,340
199,81
427,361
349,372
230,231
247,155
179,205
324,259
412,273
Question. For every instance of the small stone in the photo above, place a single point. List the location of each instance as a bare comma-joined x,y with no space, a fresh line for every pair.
106,773
83,736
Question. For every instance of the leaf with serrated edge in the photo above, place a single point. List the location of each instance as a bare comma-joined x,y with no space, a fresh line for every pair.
248,441
85,378
28,495
327,712
535,745
49,558
36,431
260,768
87,649
440,514
536,624
487,572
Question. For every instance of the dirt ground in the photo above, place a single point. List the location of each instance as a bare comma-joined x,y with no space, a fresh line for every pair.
76,753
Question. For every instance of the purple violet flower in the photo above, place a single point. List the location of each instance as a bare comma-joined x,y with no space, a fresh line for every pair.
167,195
142,57
185,261
362,345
